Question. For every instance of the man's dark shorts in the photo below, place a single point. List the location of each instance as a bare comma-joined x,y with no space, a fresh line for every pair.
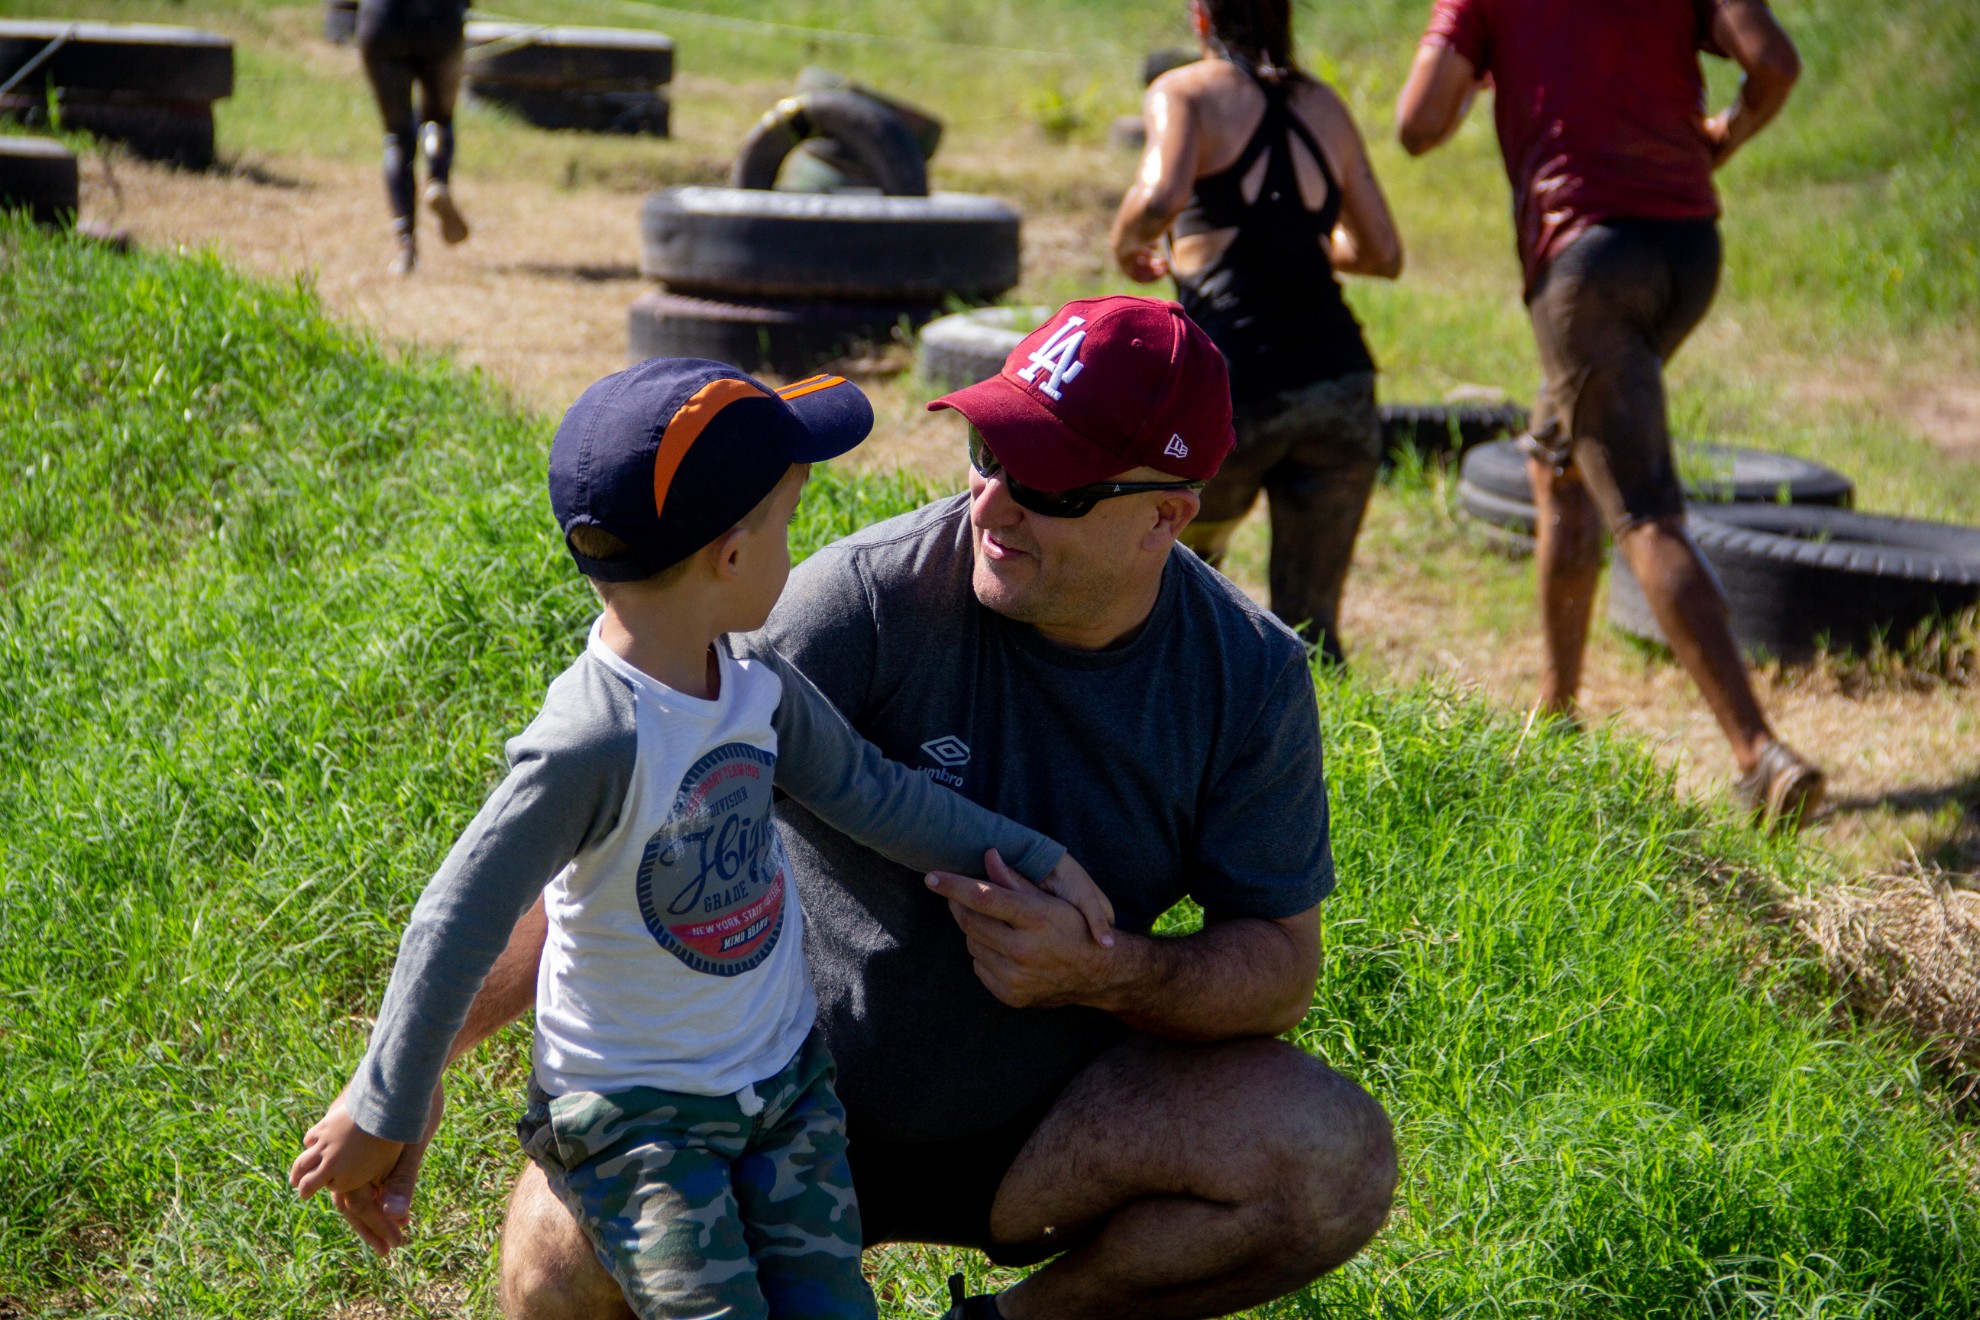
1608,312
941,1191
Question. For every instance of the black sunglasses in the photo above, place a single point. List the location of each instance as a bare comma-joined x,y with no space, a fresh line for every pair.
1074,503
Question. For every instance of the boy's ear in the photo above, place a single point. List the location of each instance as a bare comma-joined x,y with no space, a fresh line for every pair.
726,553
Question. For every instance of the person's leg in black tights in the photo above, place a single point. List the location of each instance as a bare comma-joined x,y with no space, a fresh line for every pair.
391,81
439,87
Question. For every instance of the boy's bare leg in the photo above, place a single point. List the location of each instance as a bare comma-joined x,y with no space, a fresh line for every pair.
1686,600
549,1271
1567,556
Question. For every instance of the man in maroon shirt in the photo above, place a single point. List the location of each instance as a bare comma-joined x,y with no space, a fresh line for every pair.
1601,116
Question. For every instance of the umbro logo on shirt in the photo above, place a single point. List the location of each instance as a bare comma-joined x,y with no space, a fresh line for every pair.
947,750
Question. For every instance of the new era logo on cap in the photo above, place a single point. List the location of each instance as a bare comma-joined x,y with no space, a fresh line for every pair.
1105,386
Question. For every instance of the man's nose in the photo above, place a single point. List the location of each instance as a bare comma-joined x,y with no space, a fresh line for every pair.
990,502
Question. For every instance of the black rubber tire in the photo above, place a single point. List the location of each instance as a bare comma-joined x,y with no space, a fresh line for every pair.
173,132
1430,429
1798,576
1752,476
39,176
339,21
759,245
1506,525
868,131
598,59
954,352
925,126
138,59
787,338
583,109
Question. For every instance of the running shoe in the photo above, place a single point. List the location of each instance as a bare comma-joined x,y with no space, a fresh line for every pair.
453,227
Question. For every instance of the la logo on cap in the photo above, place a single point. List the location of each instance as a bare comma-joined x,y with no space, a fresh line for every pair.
1061,354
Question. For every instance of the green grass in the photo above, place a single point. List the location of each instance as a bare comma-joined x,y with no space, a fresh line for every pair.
270,599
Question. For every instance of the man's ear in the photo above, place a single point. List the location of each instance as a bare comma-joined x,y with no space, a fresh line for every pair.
1173,512
725,553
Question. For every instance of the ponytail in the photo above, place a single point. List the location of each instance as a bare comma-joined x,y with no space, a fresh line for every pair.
1254,33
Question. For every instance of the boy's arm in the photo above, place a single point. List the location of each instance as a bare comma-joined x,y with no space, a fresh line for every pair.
567,779
849,784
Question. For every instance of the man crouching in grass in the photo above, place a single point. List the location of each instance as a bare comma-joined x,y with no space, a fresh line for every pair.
1119,1116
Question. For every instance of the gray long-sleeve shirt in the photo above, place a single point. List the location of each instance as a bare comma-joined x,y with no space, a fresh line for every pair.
675,956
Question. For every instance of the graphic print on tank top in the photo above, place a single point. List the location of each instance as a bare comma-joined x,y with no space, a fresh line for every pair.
711,879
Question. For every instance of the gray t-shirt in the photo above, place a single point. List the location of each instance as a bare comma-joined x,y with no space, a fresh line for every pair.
1185,761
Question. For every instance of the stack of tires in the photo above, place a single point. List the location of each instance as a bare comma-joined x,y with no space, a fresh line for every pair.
784,281
151,88
39,177
598,80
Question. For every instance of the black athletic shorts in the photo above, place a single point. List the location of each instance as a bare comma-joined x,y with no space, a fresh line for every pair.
1608,312
941,1191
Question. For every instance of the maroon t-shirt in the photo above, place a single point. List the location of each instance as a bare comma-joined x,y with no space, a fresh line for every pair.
1600,109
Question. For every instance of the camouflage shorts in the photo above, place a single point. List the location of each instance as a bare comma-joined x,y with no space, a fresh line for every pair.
698,1209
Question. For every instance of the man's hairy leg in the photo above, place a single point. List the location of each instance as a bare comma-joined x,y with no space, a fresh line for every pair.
1198,1179
549,1271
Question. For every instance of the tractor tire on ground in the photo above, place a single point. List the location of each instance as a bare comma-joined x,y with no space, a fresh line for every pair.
1501,498
821,164
787,338
755,244
585,110
599,59
872,134
1440,428
954,352
39,177
135,59
1797,577
173,132
1506,525
339,21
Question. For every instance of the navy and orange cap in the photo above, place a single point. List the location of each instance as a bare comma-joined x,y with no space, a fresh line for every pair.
670,453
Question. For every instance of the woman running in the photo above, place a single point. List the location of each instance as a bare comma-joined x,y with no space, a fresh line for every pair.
1259,180
404,42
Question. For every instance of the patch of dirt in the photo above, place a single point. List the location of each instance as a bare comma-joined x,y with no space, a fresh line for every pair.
1949,416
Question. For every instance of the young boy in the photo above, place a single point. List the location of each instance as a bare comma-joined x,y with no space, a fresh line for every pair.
680,1103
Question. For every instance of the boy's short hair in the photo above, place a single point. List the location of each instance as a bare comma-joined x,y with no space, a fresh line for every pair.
599,545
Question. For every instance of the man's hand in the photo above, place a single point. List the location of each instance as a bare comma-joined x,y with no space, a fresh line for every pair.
339,1156
1069,880
1032,949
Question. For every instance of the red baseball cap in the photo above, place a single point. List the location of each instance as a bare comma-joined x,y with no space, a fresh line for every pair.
1106,384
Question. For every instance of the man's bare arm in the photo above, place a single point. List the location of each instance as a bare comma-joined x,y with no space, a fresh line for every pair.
1435,99
1243,977
510,989
1748,32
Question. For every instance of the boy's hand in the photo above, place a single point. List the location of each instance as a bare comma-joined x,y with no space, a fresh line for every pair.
340,1156
1068,881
